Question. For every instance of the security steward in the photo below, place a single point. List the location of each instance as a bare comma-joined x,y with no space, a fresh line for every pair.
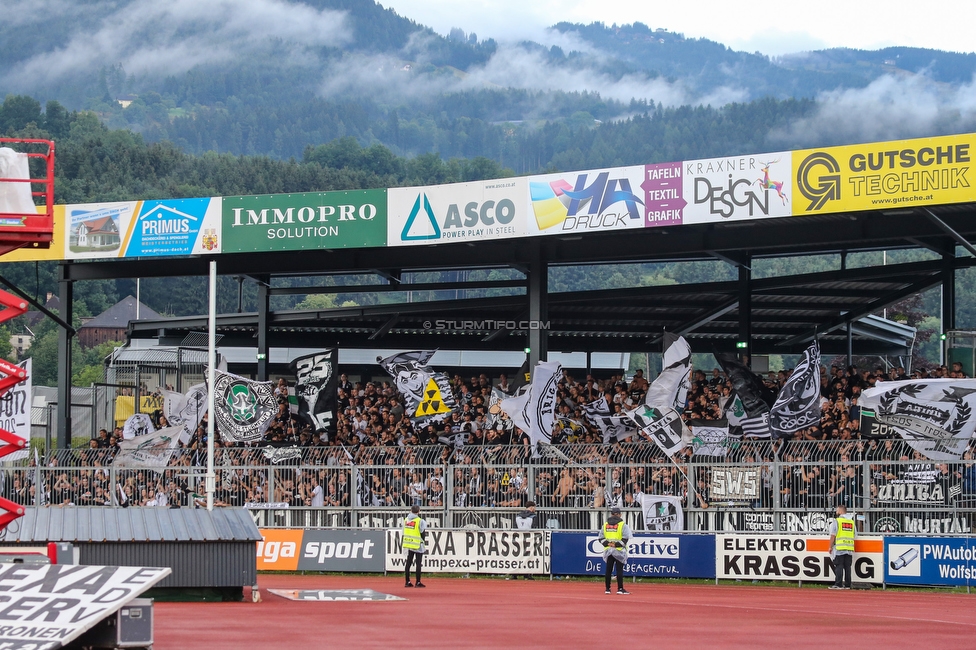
614,536
414,532
842,531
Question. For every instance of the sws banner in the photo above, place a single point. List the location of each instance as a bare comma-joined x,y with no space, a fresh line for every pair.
283,549
670,556
940,561
793,557
476,551
880,175
309,221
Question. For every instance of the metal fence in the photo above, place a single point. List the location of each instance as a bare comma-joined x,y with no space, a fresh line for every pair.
759,486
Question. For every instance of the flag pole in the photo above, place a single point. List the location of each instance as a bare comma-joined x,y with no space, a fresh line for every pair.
211,368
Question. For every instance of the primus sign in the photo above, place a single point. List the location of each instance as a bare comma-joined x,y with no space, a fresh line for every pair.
317,220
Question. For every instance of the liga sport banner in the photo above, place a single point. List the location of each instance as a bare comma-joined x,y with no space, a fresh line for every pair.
884,175
291,549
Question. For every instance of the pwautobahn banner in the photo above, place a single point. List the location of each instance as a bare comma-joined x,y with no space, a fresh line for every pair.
658,556
793,557
476,551
939,561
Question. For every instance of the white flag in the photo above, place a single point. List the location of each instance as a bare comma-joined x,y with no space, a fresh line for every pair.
935,416
670,389
535,410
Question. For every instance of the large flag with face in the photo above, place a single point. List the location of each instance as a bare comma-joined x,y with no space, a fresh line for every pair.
152,449
935,416
316,385
755,397
798,404
244,408
663,426
189,410
534,411
670,389
427,394
495,414
137,424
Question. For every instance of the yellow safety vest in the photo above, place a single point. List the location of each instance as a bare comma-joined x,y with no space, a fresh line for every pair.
844,540
613,532
411,535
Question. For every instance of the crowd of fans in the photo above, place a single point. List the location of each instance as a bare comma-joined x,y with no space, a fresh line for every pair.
377,457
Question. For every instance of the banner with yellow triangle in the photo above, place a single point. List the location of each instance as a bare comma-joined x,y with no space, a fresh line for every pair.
433,402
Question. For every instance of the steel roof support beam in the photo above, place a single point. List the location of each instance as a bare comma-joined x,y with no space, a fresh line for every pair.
962,241
66,295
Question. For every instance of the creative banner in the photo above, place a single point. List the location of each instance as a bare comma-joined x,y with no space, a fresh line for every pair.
664,556
884,175
583,202
312,221
56,603
321,550
315,388
476,551
793,557
476,211
737,188
943,561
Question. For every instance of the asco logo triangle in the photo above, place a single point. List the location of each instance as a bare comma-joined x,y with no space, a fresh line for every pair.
422,232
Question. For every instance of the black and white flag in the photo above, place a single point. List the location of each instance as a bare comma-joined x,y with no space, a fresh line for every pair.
495,415
662,513
710,437
663,426
534,411
798,405
612,427
186,411
138,424
427,394
935,416
244,408
316,385
755,397
153,449
670,388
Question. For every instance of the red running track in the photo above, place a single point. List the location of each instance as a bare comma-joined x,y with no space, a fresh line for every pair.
457,613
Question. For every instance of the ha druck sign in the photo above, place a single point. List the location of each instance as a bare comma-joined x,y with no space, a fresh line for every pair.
45,607
793,557
476,551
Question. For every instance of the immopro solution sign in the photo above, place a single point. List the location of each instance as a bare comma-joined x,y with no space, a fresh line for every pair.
310,221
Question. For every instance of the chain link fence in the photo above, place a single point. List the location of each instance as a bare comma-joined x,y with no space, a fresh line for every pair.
761,487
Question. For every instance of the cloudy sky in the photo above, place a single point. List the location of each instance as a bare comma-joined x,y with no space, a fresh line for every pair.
773,28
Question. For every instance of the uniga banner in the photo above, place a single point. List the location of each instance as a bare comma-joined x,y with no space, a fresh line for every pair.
476,551
667,556
884,175
310,221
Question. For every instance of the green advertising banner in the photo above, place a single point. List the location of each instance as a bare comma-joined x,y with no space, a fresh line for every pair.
315,220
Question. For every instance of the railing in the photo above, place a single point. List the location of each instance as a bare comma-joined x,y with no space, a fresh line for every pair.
760,487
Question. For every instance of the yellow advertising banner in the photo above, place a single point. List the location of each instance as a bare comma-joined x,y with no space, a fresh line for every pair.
55,252
884,175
